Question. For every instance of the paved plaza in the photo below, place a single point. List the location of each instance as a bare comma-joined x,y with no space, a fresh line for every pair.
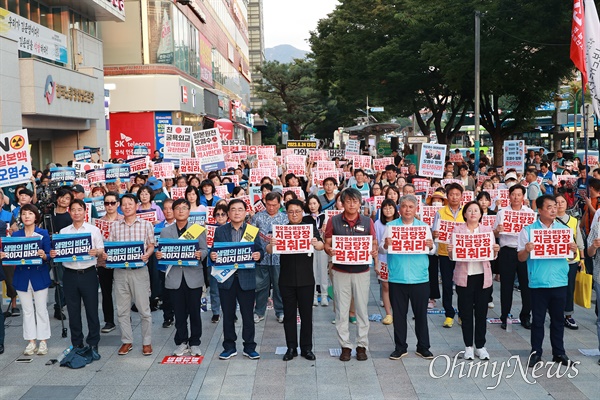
137,377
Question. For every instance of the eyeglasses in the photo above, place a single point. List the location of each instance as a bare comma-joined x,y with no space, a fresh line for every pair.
295,212
110,203
220,215
181,208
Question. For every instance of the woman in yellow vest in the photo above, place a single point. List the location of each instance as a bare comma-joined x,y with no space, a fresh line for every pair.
574,264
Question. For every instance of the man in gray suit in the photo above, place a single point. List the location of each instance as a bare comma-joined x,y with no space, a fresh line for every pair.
185,284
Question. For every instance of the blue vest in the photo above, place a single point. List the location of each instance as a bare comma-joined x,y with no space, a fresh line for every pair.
548,272
408,268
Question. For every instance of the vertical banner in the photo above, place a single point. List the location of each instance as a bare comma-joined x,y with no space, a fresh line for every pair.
514,155
433,157
207,146
178,143
15,161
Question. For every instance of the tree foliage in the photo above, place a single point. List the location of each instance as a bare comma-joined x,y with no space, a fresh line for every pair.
413,55
291,95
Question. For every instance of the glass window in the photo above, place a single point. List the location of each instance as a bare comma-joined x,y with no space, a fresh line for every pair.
56,20
34,11
24,9
13,7
45,16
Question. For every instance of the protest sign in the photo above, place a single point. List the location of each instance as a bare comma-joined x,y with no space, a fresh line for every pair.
222,191
21,250
591,161
72,247
318,155
501,195
551,243
82,167
293,239
197,217
139,165
467,197
456,157
428,214
352,147
210,235
488,220
297,191
97,202
449,181
318,176
178,252
445,229
210,219
114,172
208,148
256,174
124,254
104,226
84,183
352,250
377,200
331,213
139,150
363,162
95,176
190,166
234,255
514,221
336,153
298,169
379,164
149,216
164,170
178,145
407,239
421,184
472,247
514,155
84,155
178,192
432,160
62,176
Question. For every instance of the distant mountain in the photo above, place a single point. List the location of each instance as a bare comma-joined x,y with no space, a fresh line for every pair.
284,53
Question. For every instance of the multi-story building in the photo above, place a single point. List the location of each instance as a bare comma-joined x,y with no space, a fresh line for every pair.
257,57
176,62
51,74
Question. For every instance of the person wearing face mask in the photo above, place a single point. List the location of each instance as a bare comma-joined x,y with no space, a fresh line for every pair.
508,263
510,180
437,199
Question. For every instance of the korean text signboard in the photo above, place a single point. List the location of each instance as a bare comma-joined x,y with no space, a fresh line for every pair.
124,254
514,155
408,239
21,250
72,247
551,243
207,145
433,157
514,221
473,246
178,252
15,162
352,250
293,239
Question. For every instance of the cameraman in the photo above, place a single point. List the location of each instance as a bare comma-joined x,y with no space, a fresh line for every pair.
60,219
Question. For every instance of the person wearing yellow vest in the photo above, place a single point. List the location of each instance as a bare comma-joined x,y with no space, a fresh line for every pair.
450,212
574,264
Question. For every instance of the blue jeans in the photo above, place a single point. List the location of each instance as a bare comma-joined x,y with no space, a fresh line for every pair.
267,275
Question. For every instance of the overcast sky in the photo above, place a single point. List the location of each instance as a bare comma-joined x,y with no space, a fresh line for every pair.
289,22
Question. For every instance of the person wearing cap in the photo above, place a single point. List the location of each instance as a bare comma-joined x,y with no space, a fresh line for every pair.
80,280
79,193
268,270
549,179
510,180
24,196
157,187
451,212
509,263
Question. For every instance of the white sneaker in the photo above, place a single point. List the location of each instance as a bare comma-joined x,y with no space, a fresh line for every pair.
280,319
43,348
482,354
380,303
315,300
195,351
324,301
491,304
258,318
30,349
468,353
181,349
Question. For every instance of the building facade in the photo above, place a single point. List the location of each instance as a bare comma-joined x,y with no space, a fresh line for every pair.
257,57
176,62
51,73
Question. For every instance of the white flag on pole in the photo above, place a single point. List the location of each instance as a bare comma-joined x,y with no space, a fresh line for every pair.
592,52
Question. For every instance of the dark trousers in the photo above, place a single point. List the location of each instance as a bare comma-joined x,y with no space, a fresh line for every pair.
434,283
553,301
167,304
509,266
154,279
301,298
186,302
105,277
78,286
573,268
418,295
1,325
245,298
447,271
472,301
59,291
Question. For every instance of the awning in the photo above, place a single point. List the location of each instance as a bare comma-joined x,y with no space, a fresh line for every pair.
372,129
246,127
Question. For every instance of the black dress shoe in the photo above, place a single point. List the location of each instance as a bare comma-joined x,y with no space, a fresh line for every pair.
563,359
503,325
59,315
534,359
309,355
290,354
526,323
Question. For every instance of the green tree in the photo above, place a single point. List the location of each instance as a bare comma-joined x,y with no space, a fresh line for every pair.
291,95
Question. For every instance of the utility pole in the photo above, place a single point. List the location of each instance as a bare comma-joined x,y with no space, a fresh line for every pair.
477,83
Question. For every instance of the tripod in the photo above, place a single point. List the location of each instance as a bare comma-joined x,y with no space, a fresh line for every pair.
49,226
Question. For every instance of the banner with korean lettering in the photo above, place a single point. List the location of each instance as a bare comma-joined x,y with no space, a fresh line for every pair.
178,252
233,255
488,220
82,167
139,150
551,243
95,176
473,246
21,250
379,164
197,217
407,239
293,239
114,172
514,155
178,145
178,192
190,166
103,225
514,221
210,235
456,157
164,170
207,145
352,250
433,157
329,214
139,165
84,155
150,215
72,247
62,176
352,147
445,229
427,214
124,254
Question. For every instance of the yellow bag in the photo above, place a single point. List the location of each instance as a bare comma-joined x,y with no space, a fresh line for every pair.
583,289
